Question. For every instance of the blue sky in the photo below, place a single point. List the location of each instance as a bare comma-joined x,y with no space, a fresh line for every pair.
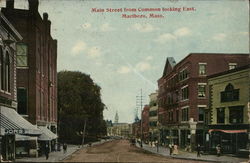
126,55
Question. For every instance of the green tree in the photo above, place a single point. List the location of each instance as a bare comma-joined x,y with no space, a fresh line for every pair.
79,98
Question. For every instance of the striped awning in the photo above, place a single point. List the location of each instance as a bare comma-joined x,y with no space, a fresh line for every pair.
46,135
13,123
228,131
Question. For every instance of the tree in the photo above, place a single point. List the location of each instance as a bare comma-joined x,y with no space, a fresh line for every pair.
79,98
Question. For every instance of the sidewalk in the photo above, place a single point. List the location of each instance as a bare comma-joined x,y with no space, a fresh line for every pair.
193,155
57,155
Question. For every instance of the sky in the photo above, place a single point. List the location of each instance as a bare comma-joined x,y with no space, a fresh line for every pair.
127,55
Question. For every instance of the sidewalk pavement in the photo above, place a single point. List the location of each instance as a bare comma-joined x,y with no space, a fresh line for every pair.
56,156
193,155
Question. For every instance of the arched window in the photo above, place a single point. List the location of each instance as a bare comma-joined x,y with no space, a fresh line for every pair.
1,69
7,71
230,94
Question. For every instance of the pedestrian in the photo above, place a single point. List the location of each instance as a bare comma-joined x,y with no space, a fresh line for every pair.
198,150
170,149
47,151
218,150
175,150
64,148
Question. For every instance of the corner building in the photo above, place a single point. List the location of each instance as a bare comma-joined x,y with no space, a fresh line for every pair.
36,68
183,96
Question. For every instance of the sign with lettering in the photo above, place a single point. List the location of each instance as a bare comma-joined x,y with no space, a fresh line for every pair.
14,131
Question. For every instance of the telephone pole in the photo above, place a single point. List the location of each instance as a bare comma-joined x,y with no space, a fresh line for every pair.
139,102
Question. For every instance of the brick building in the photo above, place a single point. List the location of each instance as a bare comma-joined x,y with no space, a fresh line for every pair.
13,127
36,67
145,122
183,95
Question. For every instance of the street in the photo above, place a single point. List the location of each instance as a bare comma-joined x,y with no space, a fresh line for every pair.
118,151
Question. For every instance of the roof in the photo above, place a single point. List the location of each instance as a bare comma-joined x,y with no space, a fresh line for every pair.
230,71
170,63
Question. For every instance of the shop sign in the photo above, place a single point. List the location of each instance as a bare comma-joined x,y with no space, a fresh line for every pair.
14,131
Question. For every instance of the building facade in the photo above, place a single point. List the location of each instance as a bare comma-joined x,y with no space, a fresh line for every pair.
145,123
228,109
13,127
153,117
183,95
36,65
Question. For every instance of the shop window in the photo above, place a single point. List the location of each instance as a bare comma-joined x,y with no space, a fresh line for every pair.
230,94
22,101
184,93
202,68
236,114
184,114
201,90
220,115
22,58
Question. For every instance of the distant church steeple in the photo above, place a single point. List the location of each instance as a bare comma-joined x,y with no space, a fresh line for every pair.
116,117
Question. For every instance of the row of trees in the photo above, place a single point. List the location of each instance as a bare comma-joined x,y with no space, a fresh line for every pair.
79,100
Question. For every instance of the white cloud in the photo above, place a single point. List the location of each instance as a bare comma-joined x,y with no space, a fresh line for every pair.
106,27
165,37
86,26
143,27
124,70
94,52
182,32
143,66
219,37
79,47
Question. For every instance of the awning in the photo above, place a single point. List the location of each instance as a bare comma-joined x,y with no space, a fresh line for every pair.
13,123
46,135
228,131
24,138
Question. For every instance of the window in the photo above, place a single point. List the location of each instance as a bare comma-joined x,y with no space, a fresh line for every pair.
206,117
22,58
1,69
220,115
153,113
177,115
183,75
153,124
236,114
7,72
22,100
170,114
201,90
184,114
184,93
201,113
202,68
230,94
232,66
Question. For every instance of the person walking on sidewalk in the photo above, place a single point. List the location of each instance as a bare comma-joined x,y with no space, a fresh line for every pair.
170,149
175,150
218,150
198,150
64,147
47,151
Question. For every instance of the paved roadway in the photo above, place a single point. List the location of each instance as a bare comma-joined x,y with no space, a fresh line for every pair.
119,151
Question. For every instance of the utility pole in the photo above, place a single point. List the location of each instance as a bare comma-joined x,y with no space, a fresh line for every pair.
84,129
139,101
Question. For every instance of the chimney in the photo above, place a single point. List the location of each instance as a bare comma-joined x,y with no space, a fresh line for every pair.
45,16
33,5
47,23
10,4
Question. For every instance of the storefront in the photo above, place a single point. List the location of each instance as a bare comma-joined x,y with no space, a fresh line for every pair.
13,130
46,138
231,141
